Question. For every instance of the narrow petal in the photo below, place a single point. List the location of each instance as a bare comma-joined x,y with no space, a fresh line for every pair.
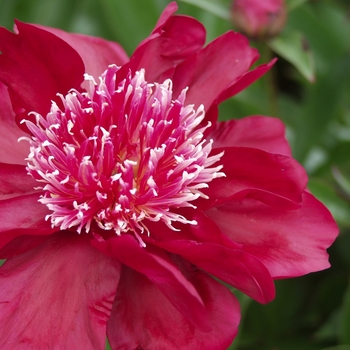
213,69
57,296
11,151
265,133
36,65
96,53
272,178
288,242
162,272
143,318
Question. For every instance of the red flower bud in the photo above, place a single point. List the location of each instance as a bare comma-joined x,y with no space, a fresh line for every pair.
259,19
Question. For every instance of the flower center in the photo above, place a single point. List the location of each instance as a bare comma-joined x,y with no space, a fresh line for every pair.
120,154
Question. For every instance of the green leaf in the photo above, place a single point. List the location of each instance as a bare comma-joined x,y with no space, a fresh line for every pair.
211,6
344,326
293,47
342,180
293,4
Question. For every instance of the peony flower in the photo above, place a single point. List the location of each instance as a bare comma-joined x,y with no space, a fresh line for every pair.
259,19
125,196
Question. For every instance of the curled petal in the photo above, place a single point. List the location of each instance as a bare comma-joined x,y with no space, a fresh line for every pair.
143,318
162,272
58,295
288,242
264,133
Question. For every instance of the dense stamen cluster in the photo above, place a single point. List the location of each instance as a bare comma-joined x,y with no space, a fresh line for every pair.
120,153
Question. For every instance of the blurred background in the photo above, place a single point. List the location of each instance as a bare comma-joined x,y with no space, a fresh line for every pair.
308,88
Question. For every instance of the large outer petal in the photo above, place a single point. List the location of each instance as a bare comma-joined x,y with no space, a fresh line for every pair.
96,53
265,133
142,318
159,269
205,246
57,296
272,178
235,267
36,65
288,242
11,151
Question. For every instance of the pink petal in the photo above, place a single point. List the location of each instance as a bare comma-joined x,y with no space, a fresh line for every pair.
213,69
11,151
14,181
23,215
36,65
143,318
244,81
96,53
272,178
288,242
241,270
164,17
173,40
159,269
20,245
265,133
57,296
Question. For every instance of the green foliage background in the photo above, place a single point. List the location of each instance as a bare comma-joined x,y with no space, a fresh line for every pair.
311,312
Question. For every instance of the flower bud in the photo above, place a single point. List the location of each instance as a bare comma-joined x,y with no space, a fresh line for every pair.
259,19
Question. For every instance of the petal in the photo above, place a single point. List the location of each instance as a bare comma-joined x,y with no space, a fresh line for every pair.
173,40
272,178
14,181
164,17
244,81
23,215
143,318
162,272
20,245
96,53
11,151
288,242
36,65
213,69
57,296
235,267
265,133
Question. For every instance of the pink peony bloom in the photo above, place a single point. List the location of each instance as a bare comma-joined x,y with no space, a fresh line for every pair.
259,19
125,195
